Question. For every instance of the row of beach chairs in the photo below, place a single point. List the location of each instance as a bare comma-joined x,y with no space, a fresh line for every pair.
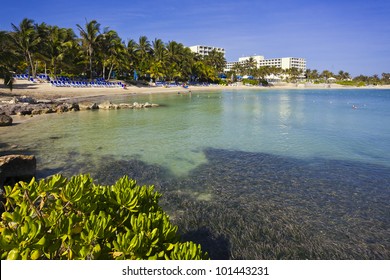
99,84
25,76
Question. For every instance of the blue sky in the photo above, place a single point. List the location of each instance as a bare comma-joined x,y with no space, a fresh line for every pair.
353,36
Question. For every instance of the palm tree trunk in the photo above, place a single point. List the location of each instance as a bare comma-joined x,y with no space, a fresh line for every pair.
90,68
33,74
109,73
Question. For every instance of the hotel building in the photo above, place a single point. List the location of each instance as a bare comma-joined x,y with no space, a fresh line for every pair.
204,50
284,62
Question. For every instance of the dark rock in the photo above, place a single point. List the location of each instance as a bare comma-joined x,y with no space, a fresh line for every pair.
38,111
26,99
24,111
88,106
48,111
5,120
74,107
14,168
61,108
94,106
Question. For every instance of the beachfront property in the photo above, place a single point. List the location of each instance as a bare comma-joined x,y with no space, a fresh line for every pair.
284,62
205,50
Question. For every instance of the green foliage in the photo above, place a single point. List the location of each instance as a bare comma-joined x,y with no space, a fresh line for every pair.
351,83
250,82
222,82
346,83
62,218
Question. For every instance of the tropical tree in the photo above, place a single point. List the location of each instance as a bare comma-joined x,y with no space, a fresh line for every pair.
204,72
326,74
111,51
143,52
293,74
312,75
25,38
158,50
156,70
263,71
56,44
238,68
250,66
216,60
174,56
131,54
89,40
386,78
343,75
188,59
8,59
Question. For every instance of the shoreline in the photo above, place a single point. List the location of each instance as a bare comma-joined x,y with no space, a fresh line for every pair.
44,91
74,94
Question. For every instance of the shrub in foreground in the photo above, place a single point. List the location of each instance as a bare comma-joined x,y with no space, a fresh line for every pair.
62,218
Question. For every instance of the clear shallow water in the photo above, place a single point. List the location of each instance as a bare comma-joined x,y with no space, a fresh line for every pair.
304,159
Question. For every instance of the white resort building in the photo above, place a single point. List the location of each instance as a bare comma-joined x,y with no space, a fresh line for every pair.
284,62
204,50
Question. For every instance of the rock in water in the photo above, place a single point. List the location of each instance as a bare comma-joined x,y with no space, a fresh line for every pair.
5,120
14,168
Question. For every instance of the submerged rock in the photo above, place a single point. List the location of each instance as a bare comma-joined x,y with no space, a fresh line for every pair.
108,105
126,106
14,168
5,120
88,106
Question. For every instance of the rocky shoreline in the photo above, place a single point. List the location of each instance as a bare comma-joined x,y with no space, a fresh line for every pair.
24,106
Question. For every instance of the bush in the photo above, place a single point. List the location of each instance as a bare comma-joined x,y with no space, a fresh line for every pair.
222,82
250,82
59,218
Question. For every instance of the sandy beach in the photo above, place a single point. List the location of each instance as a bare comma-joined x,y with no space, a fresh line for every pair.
46,91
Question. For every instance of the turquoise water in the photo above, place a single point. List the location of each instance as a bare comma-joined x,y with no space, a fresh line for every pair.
317,159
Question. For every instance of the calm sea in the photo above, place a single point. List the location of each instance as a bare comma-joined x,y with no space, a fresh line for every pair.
249,174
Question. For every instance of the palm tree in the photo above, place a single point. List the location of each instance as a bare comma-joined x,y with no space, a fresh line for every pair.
174,55
188,59
263,72
111,50
343,75
132,59
159,51
386,78
143,50
156,70
117,56
250,66
89,38
311,74
326,74
8,58
26,39
216,59
238,68
56,46
293,74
